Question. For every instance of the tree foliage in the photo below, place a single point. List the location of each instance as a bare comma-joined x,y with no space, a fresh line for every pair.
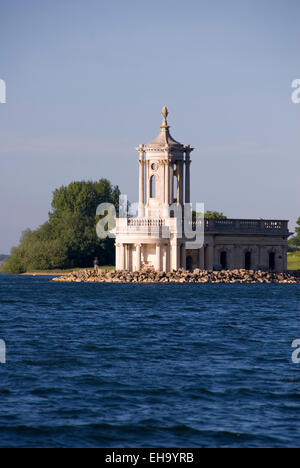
68,239
214,215
294,242
210,215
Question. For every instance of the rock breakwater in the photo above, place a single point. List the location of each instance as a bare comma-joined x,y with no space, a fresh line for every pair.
179,276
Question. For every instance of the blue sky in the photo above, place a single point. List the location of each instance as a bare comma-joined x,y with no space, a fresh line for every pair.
86,81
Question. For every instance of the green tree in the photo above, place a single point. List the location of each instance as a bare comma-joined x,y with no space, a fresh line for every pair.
214,215
294,242
210,215
68,239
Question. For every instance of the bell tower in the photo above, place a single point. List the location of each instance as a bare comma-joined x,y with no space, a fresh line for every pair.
154,239
164,174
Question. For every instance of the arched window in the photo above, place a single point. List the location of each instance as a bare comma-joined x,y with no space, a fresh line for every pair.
152,186
272,261
175,185
248,261
223,260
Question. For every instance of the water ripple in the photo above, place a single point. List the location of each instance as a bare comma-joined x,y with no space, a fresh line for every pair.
119,365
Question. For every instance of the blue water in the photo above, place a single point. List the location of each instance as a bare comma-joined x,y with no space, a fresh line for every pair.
124,365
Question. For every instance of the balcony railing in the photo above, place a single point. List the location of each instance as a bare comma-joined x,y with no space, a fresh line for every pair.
243,225
218,226
147,222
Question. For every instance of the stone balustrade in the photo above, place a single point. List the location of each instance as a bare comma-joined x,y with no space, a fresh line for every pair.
147,222
253,226
259,226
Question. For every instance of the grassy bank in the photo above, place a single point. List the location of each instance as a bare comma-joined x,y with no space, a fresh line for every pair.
294,260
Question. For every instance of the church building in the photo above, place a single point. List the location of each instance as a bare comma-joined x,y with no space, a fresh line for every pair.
155,238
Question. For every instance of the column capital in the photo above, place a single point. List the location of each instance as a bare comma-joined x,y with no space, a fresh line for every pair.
188,150
141,150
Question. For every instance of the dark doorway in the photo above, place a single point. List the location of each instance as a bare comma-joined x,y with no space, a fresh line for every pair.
189,263
272,261
223,260
248,261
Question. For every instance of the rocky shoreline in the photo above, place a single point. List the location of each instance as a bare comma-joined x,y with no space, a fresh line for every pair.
179,276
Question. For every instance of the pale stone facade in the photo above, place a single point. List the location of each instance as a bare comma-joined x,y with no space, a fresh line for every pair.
152,239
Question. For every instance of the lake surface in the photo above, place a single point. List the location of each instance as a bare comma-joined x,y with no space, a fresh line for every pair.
145,365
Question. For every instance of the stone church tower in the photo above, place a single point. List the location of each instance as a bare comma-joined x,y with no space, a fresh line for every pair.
164,172
151,240
154,239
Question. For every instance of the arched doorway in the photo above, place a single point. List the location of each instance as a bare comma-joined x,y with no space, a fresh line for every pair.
272,261
189,263
248,261
223,260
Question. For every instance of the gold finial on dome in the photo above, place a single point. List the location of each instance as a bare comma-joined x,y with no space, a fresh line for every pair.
165,114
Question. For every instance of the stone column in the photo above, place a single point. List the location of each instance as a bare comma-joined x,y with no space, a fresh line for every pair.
238,261
210,257
138,256
181,182
117,250
187,179
256,258
175,256
141,211
158,258
168,266
188,161
170,184
166,188
129,256
232,261
122,257
148,180
283,265
178,181
126,256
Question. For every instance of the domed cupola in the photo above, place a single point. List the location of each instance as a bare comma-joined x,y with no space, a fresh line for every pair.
161,176
164,139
